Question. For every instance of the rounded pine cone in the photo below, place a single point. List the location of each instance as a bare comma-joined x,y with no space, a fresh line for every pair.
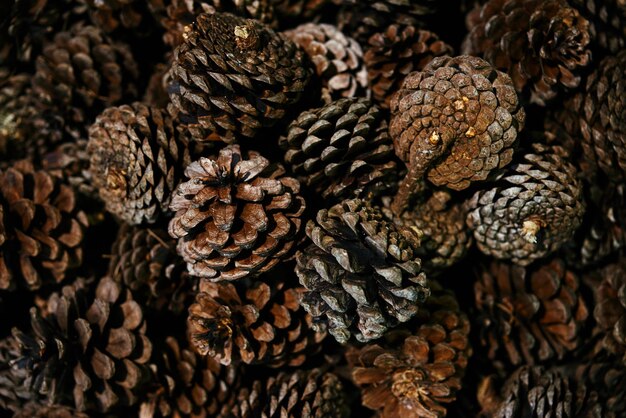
137,159
233,76
342,150
361,273
532,211
235,217
544,45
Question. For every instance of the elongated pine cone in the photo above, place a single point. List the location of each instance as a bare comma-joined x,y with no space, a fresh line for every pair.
88,351
530,315
253,322
361,272
137,159
532,211
233,76
342,149
338,59
544,45
41,228
396,52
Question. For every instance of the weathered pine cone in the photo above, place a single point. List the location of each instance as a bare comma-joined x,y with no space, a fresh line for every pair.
455,122
361,272
235,217
342,150
533,209
137,159
233,76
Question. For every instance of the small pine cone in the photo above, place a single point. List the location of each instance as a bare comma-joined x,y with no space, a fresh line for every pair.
532,211
99,339
235,217
544,45
137,159
338,59
361,273
252,78
14,391
342,150
396,52
41,228
144,259
415,371
254,323
455,122
530,315
608,18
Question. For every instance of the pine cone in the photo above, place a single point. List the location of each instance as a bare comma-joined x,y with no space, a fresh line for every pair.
88,351
70,161
532,211
342,150
455,122
338,59
41,229
361,273
608,17
530,315
608,378
233,76
14,391
544,45
235,217
137,159
109,15
38,410
253,322
396,52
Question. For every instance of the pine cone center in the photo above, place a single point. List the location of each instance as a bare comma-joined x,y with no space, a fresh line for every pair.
406,384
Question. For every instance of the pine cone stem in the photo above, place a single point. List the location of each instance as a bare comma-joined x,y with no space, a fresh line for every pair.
412,185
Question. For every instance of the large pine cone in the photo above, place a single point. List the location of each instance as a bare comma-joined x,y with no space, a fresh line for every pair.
137,159
253,322
342,150
90,351
609,20
41,229
233,76
530,315
235,217
362,273
544,45
532,211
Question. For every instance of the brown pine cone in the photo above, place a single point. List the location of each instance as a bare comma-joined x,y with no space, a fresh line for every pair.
338,59
232,76
342,150
533,209
41,229
455,122
253,322
608,18
40,410
361,272
544,45
88,351
109,15
14,391
608,378
137,159
530,315
235,217
396,52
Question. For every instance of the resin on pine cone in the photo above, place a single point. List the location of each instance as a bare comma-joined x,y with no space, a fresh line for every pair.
232,76
235,217
362,273
454,122
342,149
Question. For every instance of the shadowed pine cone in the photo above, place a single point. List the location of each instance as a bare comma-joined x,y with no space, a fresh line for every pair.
361,272
40,410
235,217
543,45
14,392
338,59
530,315
255,323
109,15
455,122
233,76
342,149
137,159
608,378
608,18
396,52
533,209
70,161
41,228
90,351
